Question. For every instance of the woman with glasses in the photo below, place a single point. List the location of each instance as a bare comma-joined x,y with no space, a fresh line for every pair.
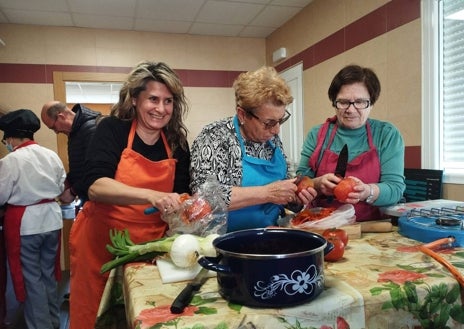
244,153
375,148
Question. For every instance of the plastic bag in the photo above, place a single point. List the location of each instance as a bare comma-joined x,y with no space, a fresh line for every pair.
344,215
201,214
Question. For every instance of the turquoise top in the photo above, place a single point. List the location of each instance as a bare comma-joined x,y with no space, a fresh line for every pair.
390,146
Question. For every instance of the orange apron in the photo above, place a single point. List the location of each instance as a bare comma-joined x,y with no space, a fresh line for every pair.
90,231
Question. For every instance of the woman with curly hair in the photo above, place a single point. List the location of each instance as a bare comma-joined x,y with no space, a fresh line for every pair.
245,153
139,157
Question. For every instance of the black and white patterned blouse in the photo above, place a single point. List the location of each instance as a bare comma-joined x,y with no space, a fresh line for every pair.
216,151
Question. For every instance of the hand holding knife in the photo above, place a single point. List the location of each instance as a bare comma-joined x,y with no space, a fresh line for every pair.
340,169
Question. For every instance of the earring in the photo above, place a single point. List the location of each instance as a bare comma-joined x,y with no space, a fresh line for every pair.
242,123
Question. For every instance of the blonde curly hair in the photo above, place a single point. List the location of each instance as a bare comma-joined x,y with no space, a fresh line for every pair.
264,85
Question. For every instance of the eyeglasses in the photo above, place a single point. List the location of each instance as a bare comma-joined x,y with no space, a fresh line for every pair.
270,123
359,104
54,123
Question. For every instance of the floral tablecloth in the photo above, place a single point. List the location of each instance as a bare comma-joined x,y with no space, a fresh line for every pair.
383,281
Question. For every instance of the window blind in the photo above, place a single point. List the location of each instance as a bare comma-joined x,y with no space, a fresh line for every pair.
452,86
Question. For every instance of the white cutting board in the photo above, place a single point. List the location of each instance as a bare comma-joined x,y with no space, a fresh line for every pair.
171,273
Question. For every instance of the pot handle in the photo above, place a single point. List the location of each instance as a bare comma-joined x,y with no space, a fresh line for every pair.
328,248
210,263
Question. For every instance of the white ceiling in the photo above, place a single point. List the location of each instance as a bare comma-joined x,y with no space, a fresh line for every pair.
235,18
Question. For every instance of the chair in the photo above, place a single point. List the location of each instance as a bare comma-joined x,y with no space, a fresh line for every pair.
422,184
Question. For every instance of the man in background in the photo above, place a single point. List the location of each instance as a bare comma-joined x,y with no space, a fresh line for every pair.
79,124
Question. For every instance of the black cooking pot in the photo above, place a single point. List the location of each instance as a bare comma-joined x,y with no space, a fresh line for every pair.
269,267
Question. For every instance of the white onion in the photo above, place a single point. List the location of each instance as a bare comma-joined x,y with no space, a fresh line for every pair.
185,250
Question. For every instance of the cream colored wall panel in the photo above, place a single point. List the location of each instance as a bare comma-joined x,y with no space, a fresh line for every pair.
73,46
70,38
183,51
327,17
208,105
120,57
69,46
316,82
215,53
23,44
125,48
131,40
355,9
14,96
315,22
63,56
404,81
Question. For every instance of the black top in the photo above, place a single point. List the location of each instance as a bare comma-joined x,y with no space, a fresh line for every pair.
110,140
82,131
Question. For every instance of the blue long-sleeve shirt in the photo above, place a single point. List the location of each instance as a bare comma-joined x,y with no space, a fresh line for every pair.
390,147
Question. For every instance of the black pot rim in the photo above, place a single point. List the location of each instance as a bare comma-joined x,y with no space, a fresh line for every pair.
260,231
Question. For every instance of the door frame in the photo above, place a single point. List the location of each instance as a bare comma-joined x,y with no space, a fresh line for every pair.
59,92
292,132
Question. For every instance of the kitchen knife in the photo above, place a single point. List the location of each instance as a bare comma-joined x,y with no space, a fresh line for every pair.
186,295
340,169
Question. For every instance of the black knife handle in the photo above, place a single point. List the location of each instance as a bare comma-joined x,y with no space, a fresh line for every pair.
183,299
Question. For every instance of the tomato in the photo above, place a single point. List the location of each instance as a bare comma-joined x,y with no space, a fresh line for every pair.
304,183
338,250
337,232
343,188
194,209
183,197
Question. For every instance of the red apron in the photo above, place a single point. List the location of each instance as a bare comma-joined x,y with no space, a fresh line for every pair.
2,274
90,231
365,166
11,227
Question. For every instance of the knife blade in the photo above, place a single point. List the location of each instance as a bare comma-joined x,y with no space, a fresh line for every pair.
342,161
186,295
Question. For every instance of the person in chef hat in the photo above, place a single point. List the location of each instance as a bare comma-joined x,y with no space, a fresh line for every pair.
32,177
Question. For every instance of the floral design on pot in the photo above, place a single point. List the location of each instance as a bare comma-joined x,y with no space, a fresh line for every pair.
299,283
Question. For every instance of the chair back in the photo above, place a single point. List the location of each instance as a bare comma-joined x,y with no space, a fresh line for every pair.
423,184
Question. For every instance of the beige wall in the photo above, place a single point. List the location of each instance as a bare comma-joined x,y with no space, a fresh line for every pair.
78,46
395,56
